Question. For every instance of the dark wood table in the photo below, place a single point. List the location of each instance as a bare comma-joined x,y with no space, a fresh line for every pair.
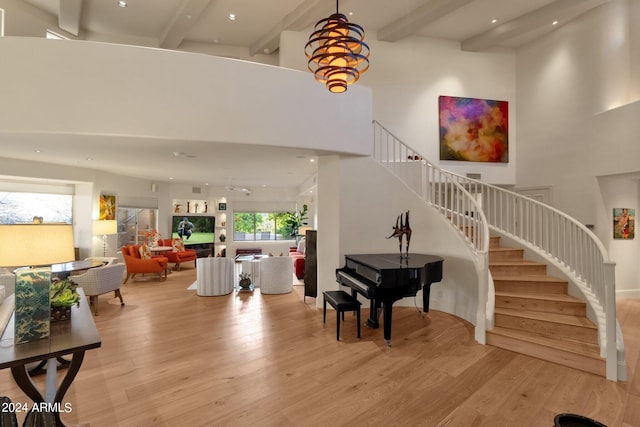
74,337
64,269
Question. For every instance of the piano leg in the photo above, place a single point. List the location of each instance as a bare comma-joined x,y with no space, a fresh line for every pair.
388,309
426,293
374,314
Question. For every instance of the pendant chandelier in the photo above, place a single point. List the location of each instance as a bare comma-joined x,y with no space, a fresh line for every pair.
337,52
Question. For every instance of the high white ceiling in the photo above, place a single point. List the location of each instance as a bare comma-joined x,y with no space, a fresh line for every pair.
172,23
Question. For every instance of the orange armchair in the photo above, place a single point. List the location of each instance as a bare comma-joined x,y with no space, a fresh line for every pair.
135,264
180,256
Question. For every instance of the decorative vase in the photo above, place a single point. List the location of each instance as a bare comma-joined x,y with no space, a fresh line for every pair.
245,283
60,313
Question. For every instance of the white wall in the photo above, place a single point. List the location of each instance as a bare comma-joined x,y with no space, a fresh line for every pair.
408,76
578,120
172,95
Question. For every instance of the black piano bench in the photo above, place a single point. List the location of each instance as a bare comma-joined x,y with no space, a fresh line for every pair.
341,302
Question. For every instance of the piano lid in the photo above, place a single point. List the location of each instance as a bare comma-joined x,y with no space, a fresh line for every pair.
393,261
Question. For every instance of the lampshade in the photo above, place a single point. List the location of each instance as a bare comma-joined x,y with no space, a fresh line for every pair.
105,227
337,52
302,231
35,244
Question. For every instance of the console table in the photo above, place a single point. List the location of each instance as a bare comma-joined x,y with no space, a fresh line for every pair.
74,337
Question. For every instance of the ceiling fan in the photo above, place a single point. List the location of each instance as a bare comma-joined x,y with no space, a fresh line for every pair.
232,187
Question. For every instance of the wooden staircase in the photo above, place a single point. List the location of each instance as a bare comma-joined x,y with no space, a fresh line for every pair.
534,314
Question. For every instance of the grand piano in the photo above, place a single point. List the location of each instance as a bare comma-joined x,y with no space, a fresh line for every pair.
386,278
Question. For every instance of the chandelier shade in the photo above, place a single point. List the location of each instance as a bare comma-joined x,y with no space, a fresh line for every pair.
337,52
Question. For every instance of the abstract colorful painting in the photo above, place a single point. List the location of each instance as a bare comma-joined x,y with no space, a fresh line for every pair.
474,130
624,223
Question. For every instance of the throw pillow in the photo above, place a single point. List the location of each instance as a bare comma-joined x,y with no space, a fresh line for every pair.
302,245
177,245
145,253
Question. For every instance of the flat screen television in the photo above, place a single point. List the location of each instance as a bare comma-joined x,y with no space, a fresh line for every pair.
194,230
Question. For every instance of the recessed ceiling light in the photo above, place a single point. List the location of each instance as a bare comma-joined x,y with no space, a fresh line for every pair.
493,21
37,151
183,154
232,16
122,3
89,158
312,160
554,23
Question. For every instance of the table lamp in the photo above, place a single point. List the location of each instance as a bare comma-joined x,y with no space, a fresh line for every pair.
104,228
302,231
37,246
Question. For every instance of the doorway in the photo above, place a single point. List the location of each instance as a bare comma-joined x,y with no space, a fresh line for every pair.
135,225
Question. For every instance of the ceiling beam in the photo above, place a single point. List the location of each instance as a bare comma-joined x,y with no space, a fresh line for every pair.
303,16
182,21
69,16
418,18
561,11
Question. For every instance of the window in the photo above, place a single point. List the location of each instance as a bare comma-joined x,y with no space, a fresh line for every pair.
21,208
260,226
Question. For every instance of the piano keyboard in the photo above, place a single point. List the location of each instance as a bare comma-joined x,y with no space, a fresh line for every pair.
354,283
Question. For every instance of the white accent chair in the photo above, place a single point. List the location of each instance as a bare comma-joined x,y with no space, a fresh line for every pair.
214,276
276,275
8,280
108,260
100,280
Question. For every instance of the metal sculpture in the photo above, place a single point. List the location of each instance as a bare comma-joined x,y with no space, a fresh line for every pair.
401,230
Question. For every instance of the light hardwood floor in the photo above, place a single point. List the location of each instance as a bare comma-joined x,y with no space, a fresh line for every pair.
171,358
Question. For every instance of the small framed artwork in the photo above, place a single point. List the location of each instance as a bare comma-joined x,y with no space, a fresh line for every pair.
107,207
222,206
624,223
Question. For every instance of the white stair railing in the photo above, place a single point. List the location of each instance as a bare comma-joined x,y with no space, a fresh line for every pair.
453,200
474,207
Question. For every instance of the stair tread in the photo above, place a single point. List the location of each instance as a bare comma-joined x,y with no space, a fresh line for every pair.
577,347
529,278
567,319
515,262
541,296
504,249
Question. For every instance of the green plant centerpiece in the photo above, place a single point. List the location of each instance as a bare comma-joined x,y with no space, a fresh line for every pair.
294,220
62,295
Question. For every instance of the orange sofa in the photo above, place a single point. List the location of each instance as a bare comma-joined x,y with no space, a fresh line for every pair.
180,256
137,265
